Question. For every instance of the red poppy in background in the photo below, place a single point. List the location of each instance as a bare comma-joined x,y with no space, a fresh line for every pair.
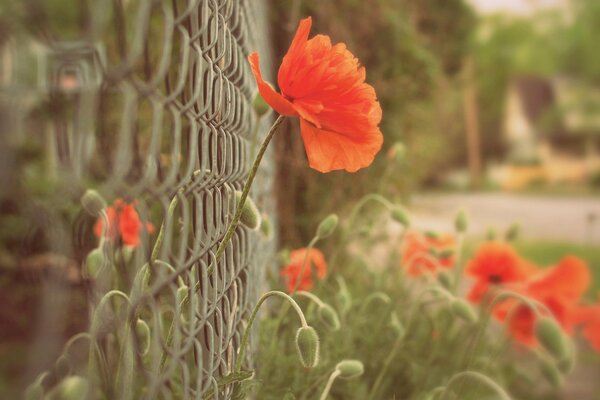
589,319
295,270
495,264
422,252
558,288
324,85
123,223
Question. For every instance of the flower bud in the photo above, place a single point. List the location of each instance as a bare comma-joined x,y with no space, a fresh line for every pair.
329,317
327,226
445,279
461,221
567,364
71,388
551,373
551,337
513,232
491,234
260,105
400,215
93,203
143,333
444,253
266,227
397,152
250,215
307,344
93,263
462,309
350,369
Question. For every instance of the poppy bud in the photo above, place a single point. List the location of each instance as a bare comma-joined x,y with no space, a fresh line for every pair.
462,309
551,373
266,227
445,279
550,335
566,364
307,344
71,388
143,333
329,317
432,235
260,105
400,215
327,226
93,263
397,152
93,203
491,234
443,254
250,215
513,232
461,221
349,369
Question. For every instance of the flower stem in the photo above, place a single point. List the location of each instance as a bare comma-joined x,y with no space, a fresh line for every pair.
332,377
246,337
239,207
479,377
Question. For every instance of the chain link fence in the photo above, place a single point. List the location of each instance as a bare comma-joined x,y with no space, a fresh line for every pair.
144,101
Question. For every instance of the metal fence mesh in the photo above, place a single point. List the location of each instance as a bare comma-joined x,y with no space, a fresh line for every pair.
144,101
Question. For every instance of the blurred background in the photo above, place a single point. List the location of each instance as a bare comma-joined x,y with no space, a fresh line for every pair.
493,105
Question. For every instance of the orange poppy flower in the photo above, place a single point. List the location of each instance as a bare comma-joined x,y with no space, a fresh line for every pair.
324,85
123,223
559,288
589,318
423,253
494,264
295,270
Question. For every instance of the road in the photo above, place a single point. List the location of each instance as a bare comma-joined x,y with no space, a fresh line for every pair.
573,219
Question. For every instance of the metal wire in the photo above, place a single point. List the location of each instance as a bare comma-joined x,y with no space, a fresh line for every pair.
148,101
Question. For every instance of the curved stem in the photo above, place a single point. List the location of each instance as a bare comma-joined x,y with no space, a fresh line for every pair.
239,207
479,377
312,243
310,296
332,377
245,338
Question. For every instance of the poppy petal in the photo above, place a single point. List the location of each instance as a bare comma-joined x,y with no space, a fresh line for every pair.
328,151
274,99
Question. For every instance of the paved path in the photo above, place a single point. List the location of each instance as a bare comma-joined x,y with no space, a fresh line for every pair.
573,219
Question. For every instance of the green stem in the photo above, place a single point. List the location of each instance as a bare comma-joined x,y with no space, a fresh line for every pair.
239,207
310,296
332,377
479,377
161,233
304,262
246,337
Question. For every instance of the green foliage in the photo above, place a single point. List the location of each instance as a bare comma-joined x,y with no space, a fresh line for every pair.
411,334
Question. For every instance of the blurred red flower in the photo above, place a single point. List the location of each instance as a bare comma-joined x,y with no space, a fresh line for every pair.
295,270
324,85
558,288
589,318
423,252
123,223
495,264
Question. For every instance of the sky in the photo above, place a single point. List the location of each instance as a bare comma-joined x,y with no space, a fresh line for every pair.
519,7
